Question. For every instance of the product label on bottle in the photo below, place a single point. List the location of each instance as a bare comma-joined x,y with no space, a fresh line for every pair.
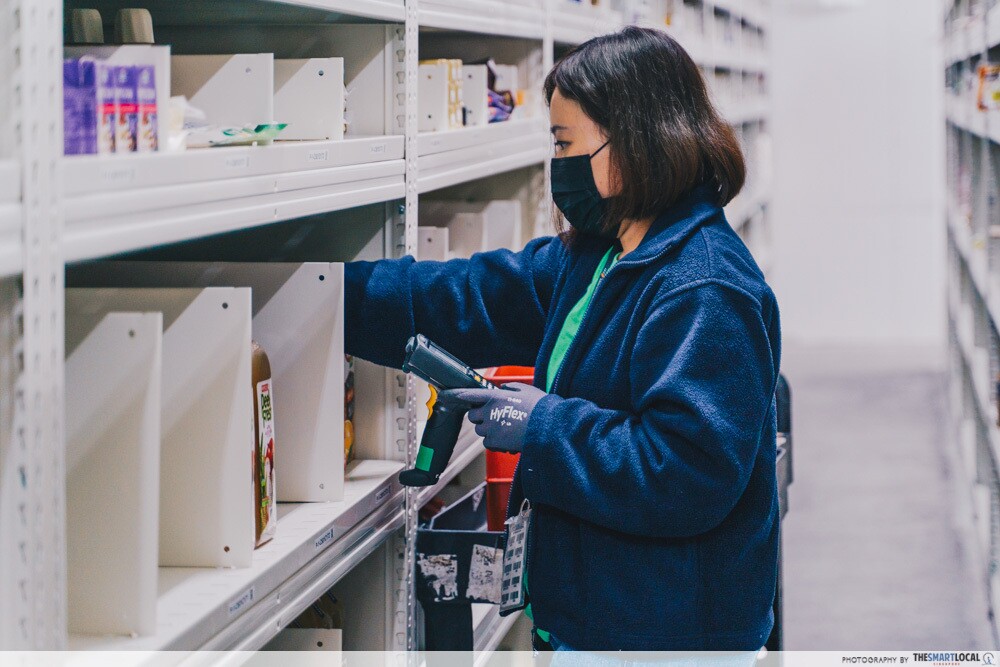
265,450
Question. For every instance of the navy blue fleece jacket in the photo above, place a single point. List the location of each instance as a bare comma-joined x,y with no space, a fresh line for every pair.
651,465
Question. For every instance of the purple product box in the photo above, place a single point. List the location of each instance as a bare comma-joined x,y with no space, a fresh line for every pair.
145,86
79,107
127,123
107,109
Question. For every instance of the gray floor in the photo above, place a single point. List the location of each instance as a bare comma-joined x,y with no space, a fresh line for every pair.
875,558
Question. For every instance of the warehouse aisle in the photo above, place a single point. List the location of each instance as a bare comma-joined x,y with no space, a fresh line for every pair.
874,559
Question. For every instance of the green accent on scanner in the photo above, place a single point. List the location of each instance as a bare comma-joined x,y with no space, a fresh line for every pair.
424,457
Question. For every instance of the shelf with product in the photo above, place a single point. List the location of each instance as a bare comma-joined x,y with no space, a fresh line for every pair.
480,109
973,250
327,521
974,408
185,179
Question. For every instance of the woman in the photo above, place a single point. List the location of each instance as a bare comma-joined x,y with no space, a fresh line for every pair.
648,441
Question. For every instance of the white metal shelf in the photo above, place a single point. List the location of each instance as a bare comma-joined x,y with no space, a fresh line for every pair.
120,203
523,19
749,110
752,12
974,253
11,219
714,54
382,10
993,27
731,57
241,609
962,112
457,156
575,23
977,361
966,40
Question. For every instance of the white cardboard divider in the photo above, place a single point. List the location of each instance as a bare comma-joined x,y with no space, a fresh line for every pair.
206,494
432,243
112,469
298,316
475,95
232,90
309,96
475,226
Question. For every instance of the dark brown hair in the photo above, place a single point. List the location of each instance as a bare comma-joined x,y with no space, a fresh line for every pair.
642,88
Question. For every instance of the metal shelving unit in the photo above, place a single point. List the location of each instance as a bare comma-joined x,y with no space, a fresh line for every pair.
56,210
972,37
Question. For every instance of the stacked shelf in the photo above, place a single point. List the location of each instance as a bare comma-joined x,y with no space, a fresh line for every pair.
191,194
972,38
361,198
457,156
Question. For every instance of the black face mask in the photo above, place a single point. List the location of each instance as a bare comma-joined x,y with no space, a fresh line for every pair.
575,193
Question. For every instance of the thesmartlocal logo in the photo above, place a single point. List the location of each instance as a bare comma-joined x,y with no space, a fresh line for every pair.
950,658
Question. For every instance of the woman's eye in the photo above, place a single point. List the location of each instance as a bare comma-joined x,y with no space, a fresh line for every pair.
561,145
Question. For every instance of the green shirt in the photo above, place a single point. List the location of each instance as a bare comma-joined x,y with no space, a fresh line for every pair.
568,332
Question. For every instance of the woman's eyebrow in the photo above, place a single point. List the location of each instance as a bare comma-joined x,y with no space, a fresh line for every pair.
556,128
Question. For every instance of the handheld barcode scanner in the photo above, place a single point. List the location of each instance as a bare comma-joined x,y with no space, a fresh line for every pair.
442,371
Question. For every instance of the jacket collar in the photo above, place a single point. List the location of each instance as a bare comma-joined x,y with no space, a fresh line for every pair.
675,223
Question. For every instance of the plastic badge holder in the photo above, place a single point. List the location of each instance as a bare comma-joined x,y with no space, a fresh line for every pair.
458,564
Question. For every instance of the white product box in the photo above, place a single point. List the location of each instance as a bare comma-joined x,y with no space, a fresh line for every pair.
232,90
432,243
309,96
474,94
138,54
439,95
506,77
298,318
206,420
475,226
113,377
432,96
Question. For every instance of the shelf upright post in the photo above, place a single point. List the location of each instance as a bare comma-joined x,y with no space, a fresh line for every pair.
409,247
15,535
41,522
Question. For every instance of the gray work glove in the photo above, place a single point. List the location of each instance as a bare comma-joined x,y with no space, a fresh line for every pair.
500,415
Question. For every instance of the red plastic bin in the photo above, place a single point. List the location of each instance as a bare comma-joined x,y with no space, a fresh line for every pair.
499,465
